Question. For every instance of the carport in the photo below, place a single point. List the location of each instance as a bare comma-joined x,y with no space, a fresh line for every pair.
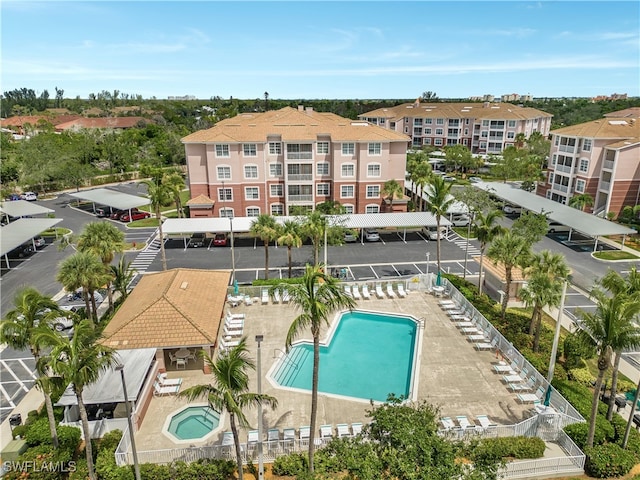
582,222
22,208
21,231
112,199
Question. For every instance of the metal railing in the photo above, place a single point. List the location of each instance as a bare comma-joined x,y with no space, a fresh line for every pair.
608,164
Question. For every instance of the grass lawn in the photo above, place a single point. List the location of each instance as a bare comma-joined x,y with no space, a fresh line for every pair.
145,222
58,231
462,231
184,198
615,255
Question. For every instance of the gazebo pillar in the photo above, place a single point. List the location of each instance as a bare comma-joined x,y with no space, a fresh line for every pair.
162,368
208,349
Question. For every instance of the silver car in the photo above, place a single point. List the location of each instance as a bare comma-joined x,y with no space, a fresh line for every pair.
372,236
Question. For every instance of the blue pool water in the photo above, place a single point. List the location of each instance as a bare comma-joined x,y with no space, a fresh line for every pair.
193,423
369,356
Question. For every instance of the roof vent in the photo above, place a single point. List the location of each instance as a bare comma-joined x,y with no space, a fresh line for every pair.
184,285
617,122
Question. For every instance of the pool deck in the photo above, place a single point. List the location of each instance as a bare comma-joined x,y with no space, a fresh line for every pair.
452,375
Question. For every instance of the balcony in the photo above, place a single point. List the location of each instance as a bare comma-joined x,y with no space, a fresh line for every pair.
564,168
567,148
300,198
297,177
299,155
606,186
607,165
560,188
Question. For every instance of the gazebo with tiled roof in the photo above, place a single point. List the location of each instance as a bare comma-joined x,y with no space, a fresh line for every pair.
177,309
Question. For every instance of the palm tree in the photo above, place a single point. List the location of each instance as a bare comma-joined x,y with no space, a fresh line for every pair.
315,226
79,360
84,270
230,390
160,196
103,239
420,175
609,329
511,251
123,274
265,227
175,184
392,189
439,200
546,273
316,297
32,313
290,237
581,201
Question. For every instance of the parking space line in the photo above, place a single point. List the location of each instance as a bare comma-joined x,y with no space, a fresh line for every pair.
394,267
8,369
374,272
400,237
418,268
8,398
26,367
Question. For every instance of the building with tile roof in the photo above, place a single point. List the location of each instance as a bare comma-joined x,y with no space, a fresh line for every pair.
600,158
483,127
258,163
178,308
117,123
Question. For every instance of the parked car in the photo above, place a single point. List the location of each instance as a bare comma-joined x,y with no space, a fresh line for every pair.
135,215
511,209
197,240
475,179
449,178
432,232
39,241
12,197
29,196
555,227
350,236
460,220
21,252
116,214
102,212
220,240
371,236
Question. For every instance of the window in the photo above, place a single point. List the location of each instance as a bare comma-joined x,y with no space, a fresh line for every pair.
439,121
427,131
253,211
416,141
348,209
322,148
372,209
276,190
428,121
511,135
226,213
485,123
417,131
466,131
251,193
250,171
580,184
392,125
440,131
584,165
466,121
373,191
550,177
375,148
427,141
322,168
586,145
275,148
417,122
373,170
225,194
249,150
275,169
347,191
484,134
348,148
222,150
277,209
299,151
348,170
322,189
483,145
224,172
511,124
437,142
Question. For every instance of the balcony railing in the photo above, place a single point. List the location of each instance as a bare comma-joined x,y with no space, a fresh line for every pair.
608,164
567,148
606,186
560,188
564,168
299,156
300,198
293,177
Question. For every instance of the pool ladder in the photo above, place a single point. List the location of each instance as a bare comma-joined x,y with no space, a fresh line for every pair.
285,357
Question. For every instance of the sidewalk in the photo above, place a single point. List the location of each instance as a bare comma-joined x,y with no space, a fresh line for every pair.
33,400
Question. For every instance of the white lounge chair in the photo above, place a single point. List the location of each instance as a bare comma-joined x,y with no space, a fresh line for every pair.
379,292
252,436
347,290
273,435
365,292
447,423
289,434
390,292
236,316
343,430
356,428
234,324
483,346
356,292
305,432
168,382
326,431
265,296
225,345
227,439
512,378
401,291
160,390
485,423
276,297
446,302
531,397
464,422
285,296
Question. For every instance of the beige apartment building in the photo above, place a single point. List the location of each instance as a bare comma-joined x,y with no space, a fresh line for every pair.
258,163
601,158
483,127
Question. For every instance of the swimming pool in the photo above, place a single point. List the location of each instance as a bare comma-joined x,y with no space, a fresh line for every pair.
194,422
367,356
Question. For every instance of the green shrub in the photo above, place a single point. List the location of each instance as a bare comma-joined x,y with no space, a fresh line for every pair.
290,465
81,471
275,281
205,469
40,455
582,376
575,352
608,460
509,447
38,433
110,440
19,431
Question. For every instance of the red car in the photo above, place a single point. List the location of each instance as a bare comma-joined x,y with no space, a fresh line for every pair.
135,215
220,240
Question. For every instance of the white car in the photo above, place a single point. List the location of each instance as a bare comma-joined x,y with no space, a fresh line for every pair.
29,196
432,232
475,179
371,236
555,227
460,220
511,209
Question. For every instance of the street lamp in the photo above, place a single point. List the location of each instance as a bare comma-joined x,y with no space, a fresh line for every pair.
259,339
136,466
428,255
230,217
556,336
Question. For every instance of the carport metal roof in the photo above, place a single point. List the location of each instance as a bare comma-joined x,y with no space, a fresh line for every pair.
569,216
22,208
23,230
111,198
108,388
177,226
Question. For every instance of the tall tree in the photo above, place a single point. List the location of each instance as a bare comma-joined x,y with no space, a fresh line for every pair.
391,190
419,173
79,360
104,240
175,184
439,199
266,229
509,250
84,270
229,390
289,236
160,196
122,274
32,312
316,297
486,228
458,156
581,201
531,227
609,329
314,226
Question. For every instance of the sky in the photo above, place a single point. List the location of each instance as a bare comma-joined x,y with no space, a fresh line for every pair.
322,50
